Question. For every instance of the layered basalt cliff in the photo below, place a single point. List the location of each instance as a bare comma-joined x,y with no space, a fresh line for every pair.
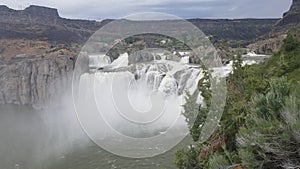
35,80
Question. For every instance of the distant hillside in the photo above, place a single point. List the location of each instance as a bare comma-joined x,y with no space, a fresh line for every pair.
236,32
42,23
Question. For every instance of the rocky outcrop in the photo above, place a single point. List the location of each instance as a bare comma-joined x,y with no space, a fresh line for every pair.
32,14
140,56
268,46
34,80
34,10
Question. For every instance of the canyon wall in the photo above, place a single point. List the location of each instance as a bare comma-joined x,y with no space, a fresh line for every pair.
35,80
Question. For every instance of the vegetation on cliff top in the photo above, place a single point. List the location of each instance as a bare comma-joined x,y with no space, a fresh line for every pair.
260,124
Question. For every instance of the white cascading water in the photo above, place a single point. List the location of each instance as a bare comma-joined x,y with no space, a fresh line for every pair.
164,79
140,100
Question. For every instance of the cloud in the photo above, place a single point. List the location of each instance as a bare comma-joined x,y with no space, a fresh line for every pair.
95,9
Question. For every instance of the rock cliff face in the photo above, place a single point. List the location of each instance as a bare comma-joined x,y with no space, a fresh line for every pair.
35,80
292,17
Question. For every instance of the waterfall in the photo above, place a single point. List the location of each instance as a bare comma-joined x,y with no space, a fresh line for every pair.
136,100
131,103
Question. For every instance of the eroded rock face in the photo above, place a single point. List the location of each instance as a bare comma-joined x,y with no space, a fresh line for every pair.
35,81
268,46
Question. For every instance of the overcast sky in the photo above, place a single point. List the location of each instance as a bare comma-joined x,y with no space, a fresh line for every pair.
101,9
